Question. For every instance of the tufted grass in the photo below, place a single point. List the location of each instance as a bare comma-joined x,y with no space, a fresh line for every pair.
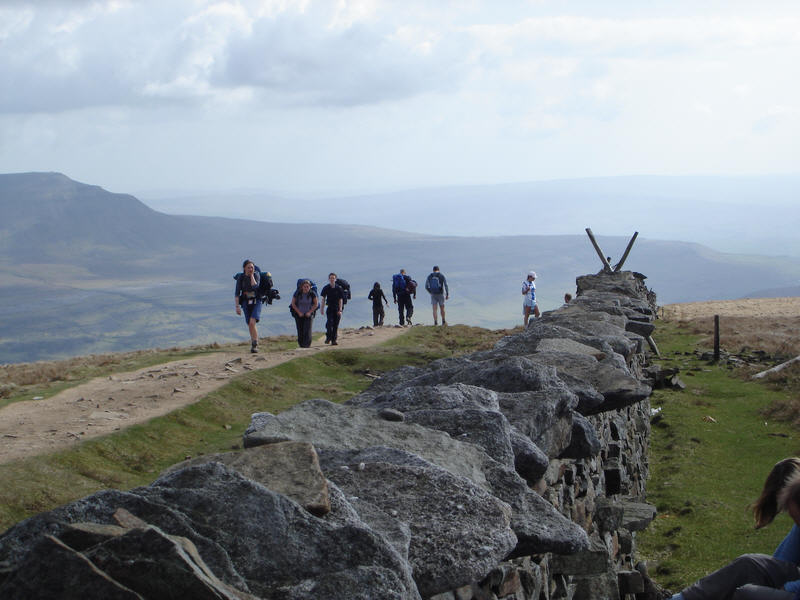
135,456
704,473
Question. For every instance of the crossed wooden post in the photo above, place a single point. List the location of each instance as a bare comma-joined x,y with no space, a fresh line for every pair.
609,269
607,265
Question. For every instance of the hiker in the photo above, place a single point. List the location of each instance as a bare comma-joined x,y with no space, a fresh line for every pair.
529,291
760,576
246,297
567,298
378,300
304,305
334,296
403,287
436,285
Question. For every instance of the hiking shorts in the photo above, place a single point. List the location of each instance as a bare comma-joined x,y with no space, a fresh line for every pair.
437,299
528,302
252,310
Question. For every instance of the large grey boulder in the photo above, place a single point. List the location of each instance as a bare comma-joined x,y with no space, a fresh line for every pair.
616,387
584,442
159,566
459,532
290,468
54,570
529,460
274,543
467,413
543,335
487,429
545,417
595,324
17,542
433,406
430,397
538,526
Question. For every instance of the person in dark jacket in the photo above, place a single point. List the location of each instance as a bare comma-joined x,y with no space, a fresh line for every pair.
401,294
304,304
246,299
334,296
378,300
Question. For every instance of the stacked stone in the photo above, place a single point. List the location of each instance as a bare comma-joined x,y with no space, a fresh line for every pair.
512,473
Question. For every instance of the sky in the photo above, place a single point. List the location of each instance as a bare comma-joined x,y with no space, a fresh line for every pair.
377,95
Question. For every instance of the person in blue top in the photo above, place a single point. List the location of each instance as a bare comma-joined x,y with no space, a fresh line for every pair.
436,286
246,299
760,576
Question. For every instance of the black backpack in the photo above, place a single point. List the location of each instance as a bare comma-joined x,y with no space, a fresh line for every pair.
266,292
342,283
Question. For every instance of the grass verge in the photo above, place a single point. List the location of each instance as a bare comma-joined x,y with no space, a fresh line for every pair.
136,456
711,449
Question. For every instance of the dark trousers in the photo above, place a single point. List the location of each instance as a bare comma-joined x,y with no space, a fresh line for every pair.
377,314
332,324
749,577
404,304
304,331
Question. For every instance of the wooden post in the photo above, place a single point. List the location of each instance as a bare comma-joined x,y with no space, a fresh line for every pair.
606,264
716,338
627,251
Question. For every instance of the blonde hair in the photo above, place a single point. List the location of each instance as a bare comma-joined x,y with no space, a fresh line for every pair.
782,484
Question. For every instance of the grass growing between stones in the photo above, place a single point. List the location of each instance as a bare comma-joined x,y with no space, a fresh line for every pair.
137,455
711,450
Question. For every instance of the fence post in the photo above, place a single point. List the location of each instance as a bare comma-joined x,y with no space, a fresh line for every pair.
716,338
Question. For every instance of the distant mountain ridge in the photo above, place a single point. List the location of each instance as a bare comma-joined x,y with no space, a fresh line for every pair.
742,214
83,270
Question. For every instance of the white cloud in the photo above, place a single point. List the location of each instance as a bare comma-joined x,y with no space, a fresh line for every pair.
455,90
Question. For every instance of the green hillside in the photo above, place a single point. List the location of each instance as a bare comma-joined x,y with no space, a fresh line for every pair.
85,271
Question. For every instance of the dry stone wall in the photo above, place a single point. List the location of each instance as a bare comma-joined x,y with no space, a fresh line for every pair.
518,472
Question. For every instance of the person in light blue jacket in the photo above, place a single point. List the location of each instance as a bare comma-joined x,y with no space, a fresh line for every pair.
760,576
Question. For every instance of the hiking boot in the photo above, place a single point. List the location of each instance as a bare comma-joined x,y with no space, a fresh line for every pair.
254,347
327,340
334,343
435,322
408,320
444,323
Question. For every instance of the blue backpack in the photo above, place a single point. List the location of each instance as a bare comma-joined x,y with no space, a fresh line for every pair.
398,283
434,283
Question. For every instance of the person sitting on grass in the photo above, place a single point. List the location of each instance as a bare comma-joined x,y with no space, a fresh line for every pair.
760,576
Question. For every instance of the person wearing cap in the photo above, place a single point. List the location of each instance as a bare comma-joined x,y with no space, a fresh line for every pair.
529,291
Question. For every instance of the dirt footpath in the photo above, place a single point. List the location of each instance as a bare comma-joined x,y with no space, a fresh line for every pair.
107,404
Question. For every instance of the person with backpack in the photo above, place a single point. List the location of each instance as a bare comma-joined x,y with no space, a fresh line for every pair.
436,285
529,303
304,305
334,296
376,295
403,288
247,300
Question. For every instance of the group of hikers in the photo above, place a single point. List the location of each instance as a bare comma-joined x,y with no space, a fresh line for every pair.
254,287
